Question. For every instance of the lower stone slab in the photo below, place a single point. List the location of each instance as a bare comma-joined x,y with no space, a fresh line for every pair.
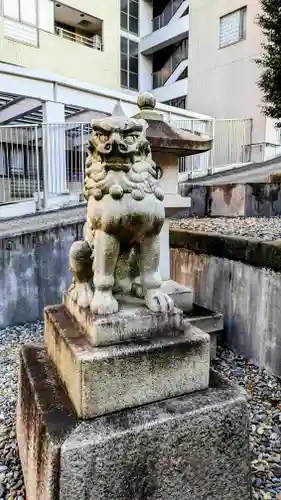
190,447
208,321
104,379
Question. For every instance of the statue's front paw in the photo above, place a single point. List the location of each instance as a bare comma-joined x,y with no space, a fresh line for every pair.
82,294
158,301
104,303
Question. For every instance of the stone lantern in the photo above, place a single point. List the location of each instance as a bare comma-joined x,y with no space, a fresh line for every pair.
168,144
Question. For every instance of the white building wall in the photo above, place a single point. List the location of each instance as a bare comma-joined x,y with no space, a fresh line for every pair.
223,82
28,40
145,62
46,15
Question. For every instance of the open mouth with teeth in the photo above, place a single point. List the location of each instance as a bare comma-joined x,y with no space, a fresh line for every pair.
117,163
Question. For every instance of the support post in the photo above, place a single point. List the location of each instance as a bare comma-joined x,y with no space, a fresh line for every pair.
54,147
165,252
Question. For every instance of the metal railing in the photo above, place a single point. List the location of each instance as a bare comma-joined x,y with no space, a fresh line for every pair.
167,14
41,163
181,53
19,164
230,149
38,162
93,42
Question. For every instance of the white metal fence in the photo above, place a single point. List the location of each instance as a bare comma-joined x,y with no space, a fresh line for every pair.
231,148
42,162
19,164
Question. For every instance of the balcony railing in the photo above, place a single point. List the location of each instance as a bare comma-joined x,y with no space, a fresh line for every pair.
181,53
93,42
167,14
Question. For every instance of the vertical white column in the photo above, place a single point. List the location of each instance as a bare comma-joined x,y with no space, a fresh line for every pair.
54,148
165,252
145,62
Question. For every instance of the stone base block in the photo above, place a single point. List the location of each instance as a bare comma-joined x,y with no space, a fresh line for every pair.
190,447
104,379
208,321
134,321
182,296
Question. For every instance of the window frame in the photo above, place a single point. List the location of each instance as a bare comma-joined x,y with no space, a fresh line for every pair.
242,26
128,56
128,16
19,18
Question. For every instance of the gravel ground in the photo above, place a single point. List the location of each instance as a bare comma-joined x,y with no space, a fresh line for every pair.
264,396
11,339
265,228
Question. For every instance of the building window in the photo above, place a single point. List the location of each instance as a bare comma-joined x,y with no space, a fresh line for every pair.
180,102
233,27
130,16
24,11
129,64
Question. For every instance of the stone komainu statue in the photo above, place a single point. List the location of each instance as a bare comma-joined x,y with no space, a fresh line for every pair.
125,214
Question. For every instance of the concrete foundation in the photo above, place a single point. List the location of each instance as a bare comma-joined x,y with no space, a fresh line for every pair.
194,446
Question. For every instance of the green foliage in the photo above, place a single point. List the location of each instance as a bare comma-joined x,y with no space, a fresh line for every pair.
270,61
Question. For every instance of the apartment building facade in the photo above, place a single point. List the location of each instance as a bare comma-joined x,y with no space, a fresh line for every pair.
115,43
202,56
225,41
61,39
193,54
63,63
196,56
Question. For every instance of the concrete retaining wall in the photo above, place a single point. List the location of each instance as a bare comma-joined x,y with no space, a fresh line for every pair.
231,200
241,279
34,271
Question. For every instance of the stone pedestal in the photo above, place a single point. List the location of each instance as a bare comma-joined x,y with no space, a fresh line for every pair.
190,447
133,322
108,378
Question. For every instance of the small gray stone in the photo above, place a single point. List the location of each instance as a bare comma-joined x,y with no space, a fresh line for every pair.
277,471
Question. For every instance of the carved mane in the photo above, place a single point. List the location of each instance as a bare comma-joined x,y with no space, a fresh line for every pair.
119,160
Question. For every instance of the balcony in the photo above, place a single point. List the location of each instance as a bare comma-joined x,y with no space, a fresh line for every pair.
174,32
173,68
78,27
172,92
92,42
174,8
